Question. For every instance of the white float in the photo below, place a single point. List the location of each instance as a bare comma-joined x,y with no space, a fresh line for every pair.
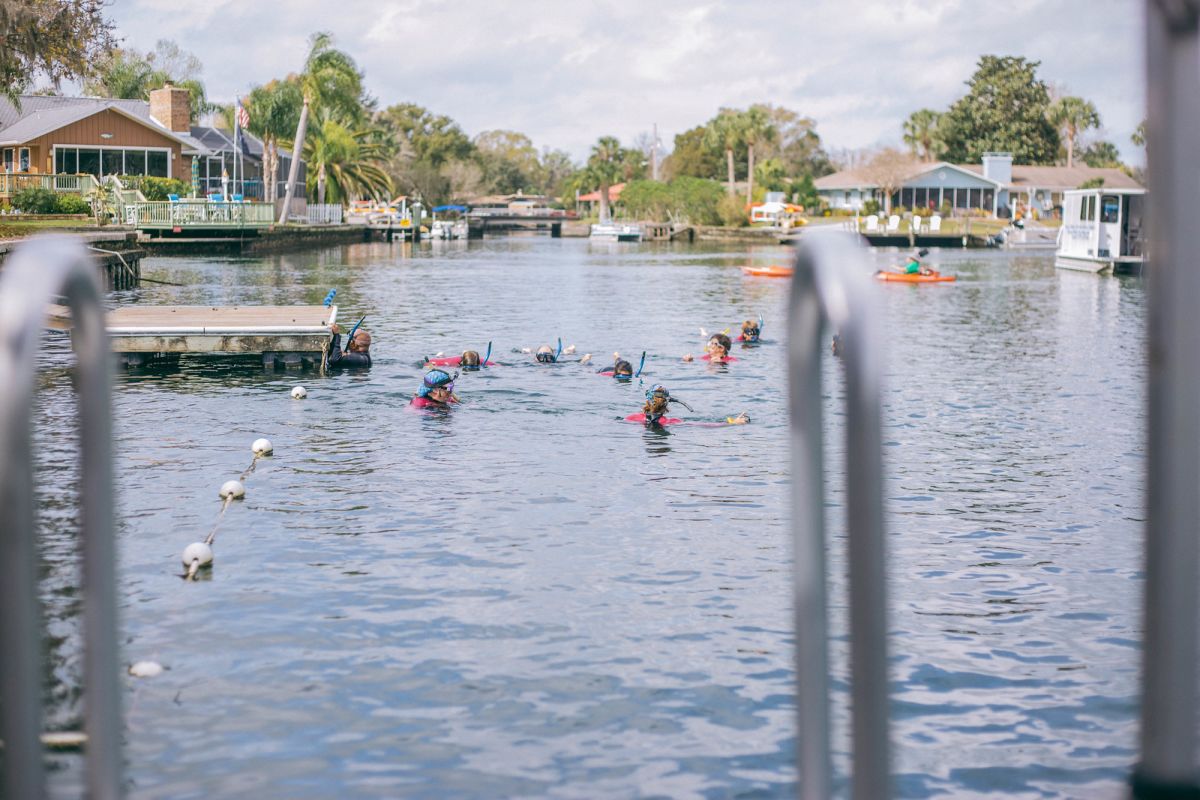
262,447
299,393
145,669
197,553
232,489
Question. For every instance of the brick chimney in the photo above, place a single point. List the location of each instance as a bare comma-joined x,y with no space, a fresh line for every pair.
170,106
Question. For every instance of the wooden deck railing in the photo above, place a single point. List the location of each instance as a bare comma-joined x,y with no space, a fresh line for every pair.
199,214
13,182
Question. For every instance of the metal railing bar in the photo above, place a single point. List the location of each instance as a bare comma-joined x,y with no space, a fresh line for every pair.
831,287
1171,619
39,271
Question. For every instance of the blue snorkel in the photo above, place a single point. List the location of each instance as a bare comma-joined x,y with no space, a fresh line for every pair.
354,330
485,358
638,374
559,353
760,324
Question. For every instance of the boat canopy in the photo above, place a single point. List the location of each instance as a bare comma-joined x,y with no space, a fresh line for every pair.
449,208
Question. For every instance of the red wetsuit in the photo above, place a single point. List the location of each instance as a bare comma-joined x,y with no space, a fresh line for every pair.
727,359
452,361
661,420
425,402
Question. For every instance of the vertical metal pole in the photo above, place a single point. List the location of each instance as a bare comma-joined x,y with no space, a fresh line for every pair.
831,286
1169,650
40,271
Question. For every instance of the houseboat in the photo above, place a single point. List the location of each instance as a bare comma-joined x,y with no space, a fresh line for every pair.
1103,230
616,232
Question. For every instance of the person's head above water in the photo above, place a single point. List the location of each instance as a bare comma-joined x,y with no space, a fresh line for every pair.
750,331
718,341
622,369
469,360
360,342
657,400
438,386
545,354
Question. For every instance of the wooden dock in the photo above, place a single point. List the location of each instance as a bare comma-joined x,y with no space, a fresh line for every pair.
281,335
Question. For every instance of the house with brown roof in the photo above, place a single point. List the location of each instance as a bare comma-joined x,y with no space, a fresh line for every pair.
994,186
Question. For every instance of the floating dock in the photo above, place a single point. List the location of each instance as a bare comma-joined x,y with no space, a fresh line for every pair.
282,335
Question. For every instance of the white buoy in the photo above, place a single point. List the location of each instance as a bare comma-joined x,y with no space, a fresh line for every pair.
262,447
64,740
145,669
232,489
197,553
299,393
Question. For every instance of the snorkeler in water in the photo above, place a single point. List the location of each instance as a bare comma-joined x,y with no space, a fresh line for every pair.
751,331
437,390
717,349
622,370
658,400
469,361
357,353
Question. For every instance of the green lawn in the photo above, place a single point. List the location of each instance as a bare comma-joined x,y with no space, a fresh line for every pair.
15,227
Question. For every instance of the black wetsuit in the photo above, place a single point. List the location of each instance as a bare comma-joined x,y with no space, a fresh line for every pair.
339,358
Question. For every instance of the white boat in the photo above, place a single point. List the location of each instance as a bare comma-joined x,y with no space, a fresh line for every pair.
616,232
1103,230
448,229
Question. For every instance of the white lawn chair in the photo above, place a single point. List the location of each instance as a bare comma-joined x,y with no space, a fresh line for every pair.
916,224
893,223
935,224
872,224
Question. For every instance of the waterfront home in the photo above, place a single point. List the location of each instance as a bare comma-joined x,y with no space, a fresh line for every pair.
994,187
58,142
249,153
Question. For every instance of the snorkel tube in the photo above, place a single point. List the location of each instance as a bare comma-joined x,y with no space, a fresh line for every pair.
483,363
558,353
638,374
354,330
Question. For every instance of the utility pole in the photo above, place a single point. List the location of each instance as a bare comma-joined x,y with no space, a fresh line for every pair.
654,154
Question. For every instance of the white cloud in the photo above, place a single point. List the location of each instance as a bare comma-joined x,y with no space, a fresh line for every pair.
566,73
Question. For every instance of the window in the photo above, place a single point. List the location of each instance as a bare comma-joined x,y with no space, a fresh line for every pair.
135,162
89,161
8,159
24,159
66,160
113,162
1110,208
156,163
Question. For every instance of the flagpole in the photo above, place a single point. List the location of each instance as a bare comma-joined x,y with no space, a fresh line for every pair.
237,107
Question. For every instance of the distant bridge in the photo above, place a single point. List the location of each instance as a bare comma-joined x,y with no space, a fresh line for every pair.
501,220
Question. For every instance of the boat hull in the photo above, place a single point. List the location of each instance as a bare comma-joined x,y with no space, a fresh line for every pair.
768,272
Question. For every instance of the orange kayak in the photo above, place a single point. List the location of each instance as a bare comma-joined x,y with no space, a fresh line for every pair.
936,277
773,271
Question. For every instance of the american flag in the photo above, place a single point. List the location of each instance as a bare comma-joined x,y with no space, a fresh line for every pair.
243,118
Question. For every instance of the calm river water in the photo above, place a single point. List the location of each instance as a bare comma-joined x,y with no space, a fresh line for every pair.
528,597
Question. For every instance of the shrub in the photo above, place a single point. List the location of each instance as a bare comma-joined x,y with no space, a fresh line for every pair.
35,200
694,199
153,188
871,207
732,210
72,204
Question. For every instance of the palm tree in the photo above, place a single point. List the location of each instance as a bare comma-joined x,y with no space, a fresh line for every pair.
330,80
274,110
920,132
605,166
344,163
756,127
1072,116
725,131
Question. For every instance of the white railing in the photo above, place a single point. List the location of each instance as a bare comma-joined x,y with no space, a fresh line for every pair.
13,182
326,214
198,213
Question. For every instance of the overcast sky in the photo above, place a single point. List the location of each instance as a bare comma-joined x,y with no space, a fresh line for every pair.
565,73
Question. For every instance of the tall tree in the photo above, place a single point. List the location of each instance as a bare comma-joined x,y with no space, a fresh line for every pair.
509,160
1101,154
425,136
725,131
1004,110
1071,116
55,39
344,163
605,166
274,110
331,82
756,127
796,144
131,75
1138,136
694,156
920,133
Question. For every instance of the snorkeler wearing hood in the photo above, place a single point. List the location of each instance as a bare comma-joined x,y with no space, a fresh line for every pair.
437,390
751,331
358,349
658,400
469,361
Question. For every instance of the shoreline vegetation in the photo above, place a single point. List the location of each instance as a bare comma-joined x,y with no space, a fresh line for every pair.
357,148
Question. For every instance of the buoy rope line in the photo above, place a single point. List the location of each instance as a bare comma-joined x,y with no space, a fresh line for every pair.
200,554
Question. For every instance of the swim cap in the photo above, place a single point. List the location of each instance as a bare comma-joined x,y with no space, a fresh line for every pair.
545,354
469,360
437,379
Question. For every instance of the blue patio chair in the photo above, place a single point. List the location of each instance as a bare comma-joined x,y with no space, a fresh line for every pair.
174,198
237,198
216,198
